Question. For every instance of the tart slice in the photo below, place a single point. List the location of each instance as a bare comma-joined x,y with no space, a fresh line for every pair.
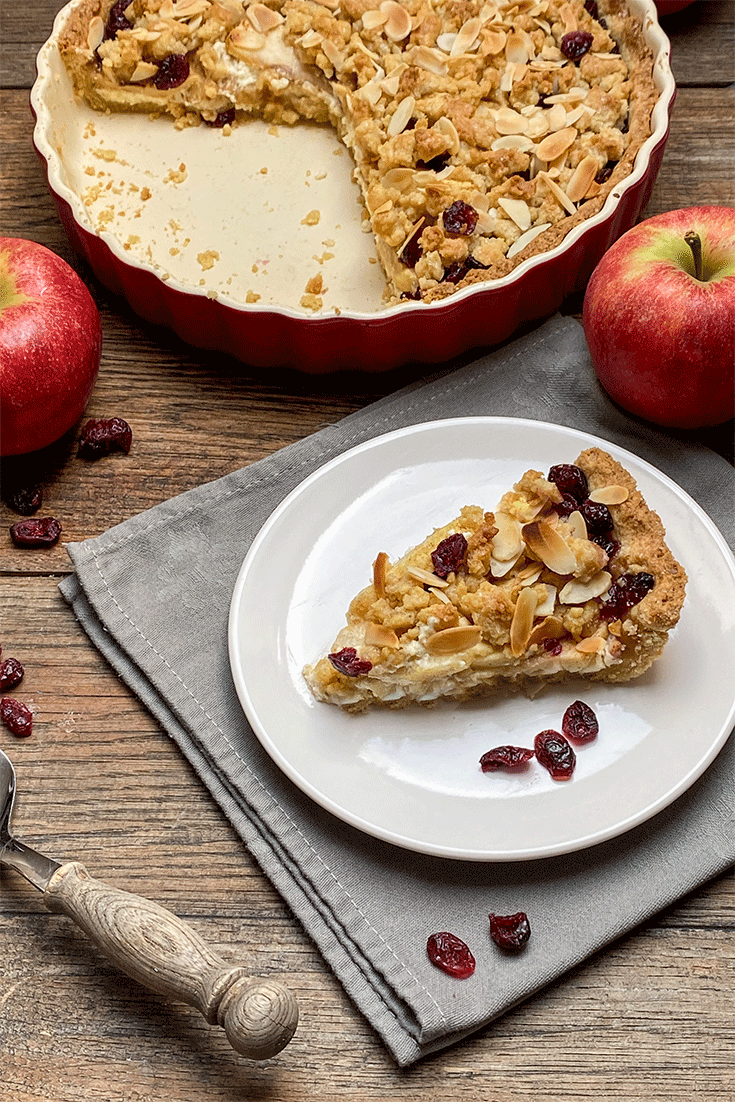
570,575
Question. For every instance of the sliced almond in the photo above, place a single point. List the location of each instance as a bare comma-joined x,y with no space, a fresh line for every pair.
513,141
424,577
548,546
399,178
526,239
546,607
264,19
518,211
582,177
398,24
187,9
144,70
508,121
552,146
576,593
440,595
577,525
401,117
615,627
549,628
371,20
518,47
446,127
522,622
454,640
556,117
507,542
423,57
610,495
243,41
380,567
530,574
500,567
493,42
96,33
466,37
569,17
378,635
334,56
310,39
593,644
561,196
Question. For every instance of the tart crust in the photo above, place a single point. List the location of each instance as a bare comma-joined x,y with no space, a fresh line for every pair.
524,608
476,141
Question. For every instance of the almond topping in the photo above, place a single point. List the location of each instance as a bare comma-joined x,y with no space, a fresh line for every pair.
556,117
423,57
426,578
518,47
401,117
311,38
333,55
466,38
507,542
582,177
380,567
593,645
185,9
371,20
446,127
577,525
554,145
576,593
454,640
610,495
530,574
546,607
561,196
522,622
143,71
399,178
263,19
548,546
526,239
378,635
513,141
493,42
518,211
440,596
508,121
96,32
398,23
242,41
549,628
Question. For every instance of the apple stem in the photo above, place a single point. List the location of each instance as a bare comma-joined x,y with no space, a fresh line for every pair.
694,242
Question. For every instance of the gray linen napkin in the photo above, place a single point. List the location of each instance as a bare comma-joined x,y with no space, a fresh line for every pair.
153,594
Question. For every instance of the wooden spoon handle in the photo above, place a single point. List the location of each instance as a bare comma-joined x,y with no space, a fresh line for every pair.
160,951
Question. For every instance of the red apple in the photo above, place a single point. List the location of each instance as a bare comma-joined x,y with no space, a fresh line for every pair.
659,317
668,7
50,341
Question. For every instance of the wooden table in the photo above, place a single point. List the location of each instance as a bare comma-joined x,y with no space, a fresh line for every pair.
652,1017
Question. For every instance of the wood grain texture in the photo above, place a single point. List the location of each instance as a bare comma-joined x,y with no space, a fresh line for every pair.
650,1019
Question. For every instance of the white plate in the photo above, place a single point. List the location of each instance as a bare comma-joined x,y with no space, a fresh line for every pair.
412,776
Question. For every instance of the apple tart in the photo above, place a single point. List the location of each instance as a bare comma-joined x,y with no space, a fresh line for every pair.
481,132
569,576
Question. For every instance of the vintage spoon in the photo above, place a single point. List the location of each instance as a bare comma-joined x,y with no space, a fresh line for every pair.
153,946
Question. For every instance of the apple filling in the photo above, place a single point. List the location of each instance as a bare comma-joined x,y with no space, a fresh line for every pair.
569,575
481,132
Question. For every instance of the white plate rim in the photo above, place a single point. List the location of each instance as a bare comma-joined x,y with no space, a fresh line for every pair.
253,562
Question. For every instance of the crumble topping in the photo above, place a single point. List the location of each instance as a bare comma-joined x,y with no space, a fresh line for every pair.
481,130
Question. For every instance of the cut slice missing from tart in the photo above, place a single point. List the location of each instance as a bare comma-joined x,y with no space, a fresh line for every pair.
568,576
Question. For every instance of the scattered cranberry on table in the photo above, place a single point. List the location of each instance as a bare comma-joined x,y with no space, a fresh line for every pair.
451,955
16,716
510,932
25,500
11,674
100,436
35,533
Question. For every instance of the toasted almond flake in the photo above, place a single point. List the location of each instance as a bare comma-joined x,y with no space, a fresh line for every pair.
537,126
576,593
576,114
144,70
549,628
243,41
425,577
401,117
530,574
311,38
507,543
372,92
500,567
549,546
561,196
556,117
371,20
446,41
331,4
378,635
581,179
594,644
615,628
263,19
423,57
141,34
166,9
380,567
445,126
513,141
518,210
187,9
569,18
334,56
439,595
466,38
454,640
517,47
398,23
384,207
96,33
508,121
522,622
577,525
555,144
399,178
610,495
493,43
546,607
526,238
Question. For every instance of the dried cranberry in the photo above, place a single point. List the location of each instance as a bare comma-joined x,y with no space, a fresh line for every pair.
222,118
412,252
552,646
449,556
576,44
117,20
36,533
579,723
17,717
591,7
100,437
605,172
436,164
11,673
414,295
173,71
625,592
460,219
597,517
347,662
459,269
555,754
25,500
569,480
608,543
510,931
510,758
567,505
450,953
